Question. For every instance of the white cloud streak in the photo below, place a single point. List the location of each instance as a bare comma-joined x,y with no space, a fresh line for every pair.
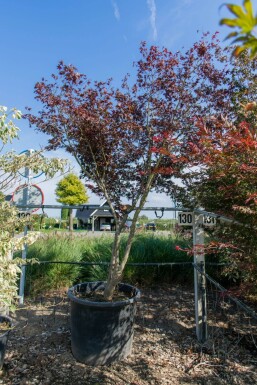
152,7
116,10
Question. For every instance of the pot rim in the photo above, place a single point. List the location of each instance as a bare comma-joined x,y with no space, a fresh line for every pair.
89,303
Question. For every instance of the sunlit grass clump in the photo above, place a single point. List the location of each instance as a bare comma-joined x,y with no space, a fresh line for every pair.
67,251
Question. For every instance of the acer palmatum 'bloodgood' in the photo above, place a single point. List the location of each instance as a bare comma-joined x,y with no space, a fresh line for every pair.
127,139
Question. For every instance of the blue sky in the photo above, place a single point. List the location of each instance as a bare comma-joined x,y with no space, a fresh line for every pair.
100,37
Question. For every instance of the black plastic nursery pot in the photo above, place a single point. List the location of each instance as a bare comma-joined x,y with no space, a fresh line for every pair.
101,332
4,334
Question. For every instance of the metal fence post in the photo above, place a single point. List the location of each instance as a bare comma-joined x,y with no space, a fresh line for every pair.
26,193
23,270
199,279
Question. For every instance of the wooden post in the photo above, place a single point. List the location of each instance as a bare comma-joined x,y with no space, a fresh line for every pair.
199,279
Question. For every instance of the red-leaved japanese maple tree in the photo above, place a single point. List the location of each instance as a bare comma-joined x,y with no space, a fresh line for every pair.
127,139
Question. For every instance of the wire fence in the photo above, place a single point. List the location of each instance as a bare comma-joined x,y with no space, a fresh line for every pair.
232,325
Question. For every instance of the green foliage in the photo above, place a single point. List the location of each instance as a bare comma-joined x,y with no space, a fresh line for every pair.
9,269
8,129
146,248
10,164
245,21
64,214
165,224
149,248
42,278
227,184
142,218
97,250
71,191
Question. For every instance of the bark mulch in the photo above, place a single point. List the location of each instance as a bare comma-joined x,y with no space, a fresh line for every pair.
165,349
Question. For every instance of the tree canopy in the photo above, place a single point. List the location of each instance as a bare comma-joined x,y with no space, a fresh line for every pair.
128,140
71,191
226,183
125,138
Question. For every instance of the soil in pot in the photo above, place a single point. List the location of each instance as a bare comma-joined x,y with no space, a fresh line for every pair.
101,332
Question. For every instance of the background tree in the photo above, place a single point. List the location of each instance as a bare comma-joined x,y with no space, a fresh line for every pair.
227,183
126,139
143,218
71,191
10,164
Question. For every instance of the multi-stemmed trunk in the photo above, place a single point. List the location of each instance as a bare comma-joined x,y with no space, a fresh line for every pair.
118,261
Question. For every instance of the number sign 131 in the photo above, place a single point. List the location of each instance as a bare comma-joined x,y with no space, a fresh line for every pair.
209,220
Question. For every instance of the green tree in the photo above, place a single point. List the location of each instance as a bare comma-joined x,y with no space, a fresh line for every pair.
71,191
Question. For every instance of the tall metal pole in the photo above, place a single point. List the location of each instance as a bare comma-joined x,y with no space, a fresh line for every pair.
25,200
199,279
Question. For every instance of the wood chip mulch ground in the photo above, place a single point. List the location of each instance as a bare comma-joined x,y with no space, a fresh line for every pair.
165,349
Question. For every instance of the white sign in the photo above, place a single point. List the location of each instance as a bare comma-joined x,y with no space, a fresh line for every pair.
185,219
28,195
188,218
209,220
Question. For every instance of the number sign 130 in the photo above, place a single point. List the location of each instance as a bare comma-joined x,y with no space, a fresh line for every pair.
185,219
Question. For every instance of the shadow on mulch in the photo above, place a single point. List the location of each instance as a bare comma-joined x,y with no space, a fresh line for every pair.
165,349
